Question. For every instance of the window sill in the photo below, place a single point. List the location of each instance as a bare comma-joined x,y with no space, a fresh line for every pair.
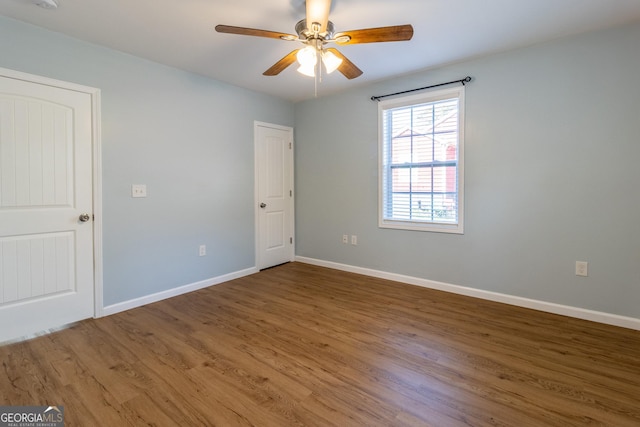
421,226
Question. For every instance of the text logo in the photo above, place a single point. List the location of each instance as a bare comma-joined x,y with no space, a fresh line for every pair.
31,416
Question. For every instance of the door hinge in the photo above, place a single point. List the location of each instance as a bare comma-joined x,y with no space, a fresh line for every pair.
289,146
291,240
290,193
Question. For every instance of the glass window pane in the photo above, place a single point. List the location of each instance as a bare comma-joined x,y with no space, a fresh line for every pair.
420,160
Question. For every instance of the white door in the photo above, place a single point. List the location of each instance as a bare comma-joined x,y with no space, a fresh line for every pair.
46,248
274,195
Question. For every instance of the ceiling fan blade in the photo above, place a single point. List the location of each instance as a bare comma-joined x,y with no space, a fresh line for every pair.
279,66
228,29
347,68
394,33
318,11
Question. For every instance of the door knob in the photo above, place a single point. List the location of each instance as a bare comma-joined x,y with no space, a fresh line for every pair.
263,205
84,217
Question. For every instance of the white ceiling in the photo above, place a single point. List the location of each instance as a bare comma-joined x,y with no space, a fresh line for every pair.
181,33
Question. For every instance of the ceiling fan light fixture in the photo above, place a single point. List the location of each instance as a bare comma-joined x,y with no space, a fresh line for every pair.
307,70
307,58
331,61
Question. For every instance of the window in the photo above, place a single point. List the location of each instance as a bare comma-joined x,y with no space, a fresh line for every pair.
421,161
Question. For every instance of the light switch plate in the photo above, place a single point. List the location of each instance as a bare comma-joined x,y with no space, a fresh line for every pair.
138,190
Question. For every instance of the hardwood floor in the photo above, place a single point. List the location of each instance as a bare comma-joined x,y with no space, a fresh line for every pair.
305,345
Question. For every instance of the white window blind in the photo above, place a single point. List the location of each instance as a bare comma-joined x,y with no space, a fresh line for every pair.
421,161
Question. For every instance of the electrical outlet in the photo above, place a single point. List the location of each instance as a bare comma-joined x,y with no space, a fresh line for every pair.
203,250
345,239
582,268
354,239
138,190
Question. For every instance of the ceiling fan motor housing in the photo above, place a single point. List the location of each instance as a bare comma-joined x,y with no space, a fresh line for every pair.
304,33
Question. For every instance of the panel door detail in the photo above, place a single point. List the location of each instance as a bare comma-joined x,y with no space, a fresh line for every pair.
46,251
275,195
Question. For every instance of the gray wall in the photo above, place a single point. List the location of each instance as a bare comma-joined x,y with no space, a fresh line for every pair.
188,138
551,176
552,146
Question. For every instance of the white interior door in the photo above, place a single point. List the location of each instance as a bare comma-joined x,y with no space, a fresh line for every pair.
274,195
46,248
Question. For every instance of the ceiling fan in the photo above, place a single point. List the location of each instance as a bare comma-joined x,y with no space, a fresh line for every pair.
316,31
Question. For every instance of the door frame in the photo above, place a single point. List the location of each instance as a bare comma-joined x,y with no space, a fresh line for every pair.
96,149
256,195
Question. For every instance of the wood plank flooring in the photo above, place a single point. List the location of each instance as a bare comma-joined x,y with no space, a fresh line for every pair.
310,346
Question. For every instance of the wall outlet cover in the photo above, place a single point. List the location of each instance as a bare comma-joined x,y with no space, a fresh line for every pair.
138,190
582,268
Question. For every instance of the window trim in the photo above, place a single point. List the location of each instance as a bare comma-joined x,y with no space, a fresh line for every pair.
431,96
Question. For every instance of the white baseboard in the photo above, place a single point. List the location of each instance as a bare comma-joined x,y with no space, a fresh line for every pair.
565,310
159,296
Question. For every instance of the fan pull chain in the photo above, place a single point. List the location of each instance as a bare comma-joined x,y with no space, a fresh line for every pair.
317,75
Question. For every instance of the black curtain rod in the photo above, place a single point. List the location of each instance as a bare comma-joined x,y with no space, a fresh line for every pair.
463,81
